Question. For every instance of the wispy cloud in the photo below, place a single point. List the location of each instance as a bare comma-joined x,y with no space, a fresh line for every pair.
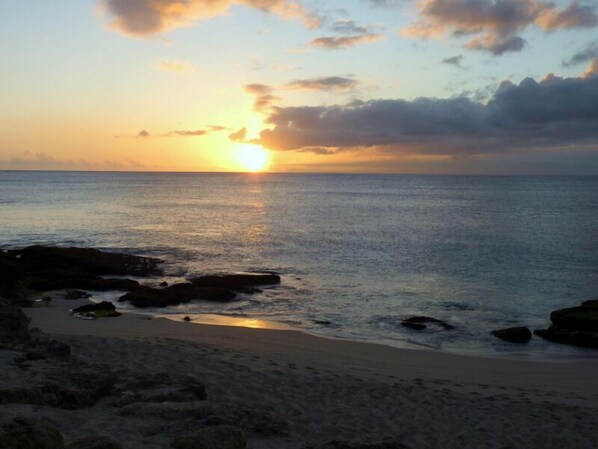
583,55
175,66
142,18
342,42
453,60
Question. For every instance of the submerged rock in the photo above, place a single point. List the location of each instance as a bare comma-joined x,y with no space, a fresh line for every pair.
574,325
236,282
417,323
513,334
214,437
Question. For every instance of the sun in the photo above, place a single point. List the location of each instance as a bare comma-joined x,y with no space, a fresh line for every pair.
252,158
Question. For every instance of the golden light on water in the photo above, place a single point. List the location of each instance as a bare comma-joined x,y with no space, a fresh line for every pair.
252,158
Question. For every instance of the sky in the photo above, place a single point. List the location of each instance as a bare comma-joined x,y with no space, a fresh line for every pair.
375,86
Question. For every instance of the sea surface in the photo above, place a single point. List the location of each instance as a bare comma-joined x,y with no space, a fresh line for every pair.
360,251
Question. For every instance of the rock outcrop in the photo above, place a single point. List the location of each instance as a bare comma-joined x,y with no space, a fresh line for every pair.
514,334
574,325
419,323
215,437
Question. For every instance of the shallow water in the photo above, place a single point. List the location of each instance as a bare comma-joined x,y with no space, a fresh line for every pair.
361,251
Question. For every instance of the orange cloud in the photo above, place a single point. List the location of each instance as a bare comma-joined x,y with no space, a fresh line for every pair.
141,18
592,69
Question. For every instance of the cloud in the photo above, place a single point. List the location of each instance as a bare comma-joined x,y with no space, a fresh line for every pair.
184,132
142,18
329,83
342,42
589,52
264,98
239,136
454,60
592,70
552,113
41,161
143,133
347,26
494,25
178,67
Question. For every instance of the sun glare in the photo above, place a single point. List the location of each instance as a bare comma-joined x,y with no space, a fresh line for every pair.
252,158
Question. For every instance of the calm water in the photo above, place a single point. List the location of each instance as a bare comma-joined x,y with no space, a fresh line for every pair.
361,251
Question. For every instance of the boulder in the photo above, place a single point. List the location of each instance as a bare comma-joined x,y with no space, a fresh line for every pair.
574,325
416,322
76,294
514,334
55,279
24,433
175,294
94,442
104,305
215,437
14,325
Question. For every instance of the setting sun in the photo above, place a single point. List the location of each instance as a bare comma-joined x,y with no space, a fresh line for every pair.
252,158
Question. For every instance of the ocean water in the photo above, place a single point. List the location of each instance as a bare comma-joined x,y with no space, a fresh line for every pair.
361,251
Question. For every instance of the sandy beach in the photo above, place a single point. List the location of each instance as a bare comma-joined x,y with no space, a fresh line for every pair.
288,389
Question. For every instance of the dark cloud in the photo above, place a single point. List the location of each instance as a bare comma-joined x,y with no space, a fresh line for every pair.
553,113
184,133
329,83
142,18
347,26
454,60
587,53
143,133
495,25
264,98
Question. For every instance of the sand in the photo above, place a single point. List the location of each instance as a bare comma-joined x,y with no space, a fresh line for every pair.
321,389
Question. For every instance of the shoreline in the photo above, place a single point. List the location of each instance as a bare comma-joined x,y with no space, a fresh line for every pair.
294,345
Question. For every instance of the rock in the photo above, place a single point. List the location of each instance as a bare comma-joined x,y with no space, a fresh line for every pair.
574,325
14,325
76,294
355,445
323,322
94,442
53,279
104,305
57,348
175,294
24,433
158,387
514,334
416,322
236,282
187,319
581,318
216,437
87,260
163,284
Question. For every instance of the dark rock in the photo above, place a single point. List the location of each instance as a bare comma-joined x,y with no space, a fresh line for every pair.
581,318
215,437
57,348
53,279
87,260
104,305
94,442
574,325
236,282
414,326
14,325
175,294
567,336
323,322
163,284
514,334
11,272
415,320
76,294
355,445
187,319
158,387
24,433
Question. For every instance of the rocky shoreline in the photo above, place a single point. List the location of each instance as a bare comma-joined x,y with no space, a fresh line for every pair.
157,393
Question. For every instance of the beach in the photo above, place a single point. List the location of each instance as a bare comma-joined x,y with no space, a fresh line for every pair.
289,389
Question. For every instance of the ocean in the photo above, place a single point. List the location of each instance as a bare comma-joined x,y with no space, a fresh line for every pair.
359,251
